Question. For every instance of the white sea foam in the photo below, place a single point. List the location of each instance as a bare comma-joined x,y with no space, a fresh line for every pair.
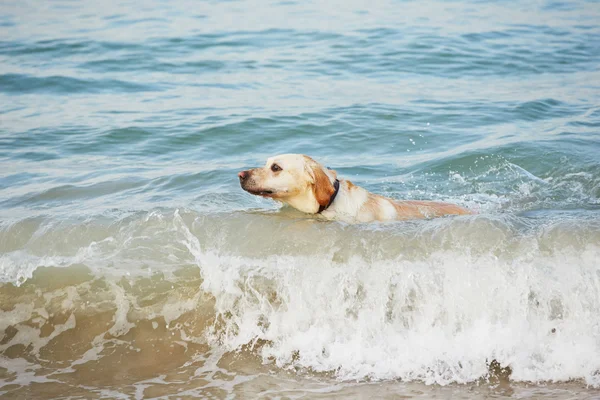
439,319
433,301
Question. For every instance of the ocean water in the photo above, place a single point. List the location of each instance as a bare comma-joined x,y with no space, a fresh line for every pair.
132,265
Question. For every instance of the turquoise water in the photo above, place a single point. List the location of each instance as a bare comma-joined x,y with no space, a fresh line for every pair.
123,126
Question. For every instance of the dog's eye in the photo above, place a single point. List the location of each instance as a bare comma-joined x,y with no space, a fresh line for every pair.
276,168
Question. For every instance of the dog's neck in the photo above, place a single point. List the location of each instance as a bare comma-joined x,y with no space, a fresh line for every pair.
307,203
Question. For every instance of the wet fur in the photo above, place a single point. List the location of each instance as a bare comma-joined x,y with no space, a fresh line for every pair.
322,187
306,185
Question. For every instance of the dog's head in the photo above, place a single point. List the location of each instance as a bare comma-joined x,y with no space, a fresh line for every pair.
295,179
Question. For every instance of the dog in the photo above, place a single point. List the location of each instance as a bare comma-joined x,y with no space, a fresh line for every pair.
304,184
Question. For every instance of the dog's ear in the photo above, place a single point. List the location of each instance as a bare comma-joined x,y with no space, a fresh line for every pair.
321,184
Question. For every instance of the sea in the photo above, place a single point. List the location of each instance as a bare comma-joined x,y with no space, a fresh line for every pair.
133,266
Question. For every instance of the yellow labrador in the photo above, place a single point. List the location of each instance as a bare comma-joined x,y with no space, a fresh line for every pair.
304,184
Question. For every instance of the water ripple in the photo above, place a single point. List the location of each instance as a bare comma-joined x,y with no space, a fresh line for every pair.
27,84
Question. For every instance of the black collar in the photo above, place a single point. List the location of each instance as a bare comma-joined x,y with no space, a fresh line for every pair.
336,186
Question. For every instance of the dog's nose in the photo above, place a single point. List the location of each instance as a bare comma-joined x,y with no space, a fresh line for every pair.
243,175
